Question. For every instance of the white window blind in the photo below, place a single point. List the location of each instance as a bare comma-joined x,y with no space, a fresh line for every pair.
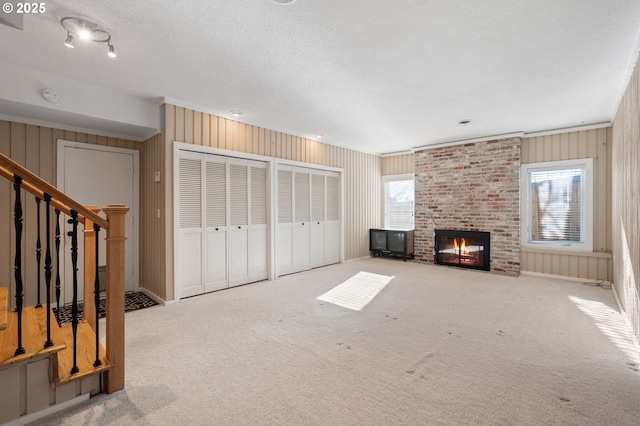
557,203
399,196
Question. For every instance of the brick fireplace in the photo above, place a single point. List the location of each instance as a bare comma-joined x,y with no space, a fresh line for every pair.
471,187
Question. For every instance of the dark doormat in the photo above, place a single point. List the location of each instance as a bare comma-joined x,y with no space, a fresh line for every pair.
132,301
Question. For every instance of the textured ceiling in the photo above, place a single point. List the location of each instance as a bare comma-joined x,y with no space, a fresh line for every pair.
377,76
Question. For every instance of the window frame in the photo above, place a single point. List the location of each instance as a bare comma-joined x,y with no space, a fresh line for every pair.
395,178
587,209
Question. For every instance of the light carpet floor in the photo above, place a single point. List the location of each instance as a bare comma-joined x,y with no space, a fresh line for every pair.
437,346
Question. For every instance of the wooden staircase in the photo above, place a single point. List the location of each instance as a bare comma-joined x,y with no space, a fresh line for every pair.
34,330
44,367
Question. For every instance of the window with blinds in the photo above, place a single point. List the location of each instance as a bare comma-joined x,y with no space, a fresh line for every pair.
399,196
557,201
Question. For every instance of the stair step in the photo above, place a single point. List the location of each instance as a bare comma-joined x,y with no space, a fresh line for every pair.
34,334
86,354
4,307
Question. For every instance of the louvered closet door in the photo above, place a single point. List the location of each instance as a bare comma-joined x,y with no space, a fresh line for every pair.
216,223
238,222
258,222
284,241
317,220
332,223
301,219
189,245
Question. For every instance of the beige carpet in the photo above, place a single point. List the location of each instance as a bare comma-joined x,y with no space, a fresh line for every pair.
436,346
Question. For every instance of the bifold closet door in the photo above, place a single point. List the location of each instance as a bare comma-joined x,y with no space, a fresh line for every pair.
189,251
223,222
258,229
317,220
216,220
284,238
301,219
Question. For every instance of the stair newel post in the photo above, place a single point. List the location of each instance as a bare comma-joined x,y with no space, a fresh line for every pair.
96,295
17,265
114,378
47,265
38,251
90,270
74,271
57,238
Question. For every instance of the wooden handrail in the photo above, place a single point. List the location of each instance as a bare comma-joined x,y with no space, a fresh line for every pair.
38,186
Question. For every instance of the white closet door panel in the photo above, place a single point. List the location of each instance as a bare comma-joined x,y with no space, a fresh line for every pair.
258,252
238,256
190,263
216,260
284,249
331,242
317,248
301,246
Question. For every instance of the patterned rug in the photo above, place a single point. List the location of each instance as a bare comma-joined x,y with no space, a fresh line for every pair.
132,302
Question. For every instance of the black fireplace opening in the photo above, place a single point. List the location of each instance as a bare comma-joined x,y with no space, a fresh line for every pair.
464,249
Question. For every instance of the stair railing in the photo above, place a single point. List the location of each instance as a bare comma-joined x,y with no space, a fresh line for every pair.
114,226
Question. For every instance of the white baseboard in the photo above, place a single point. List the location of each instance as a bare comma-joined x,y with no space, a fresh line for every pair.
565,278
50,411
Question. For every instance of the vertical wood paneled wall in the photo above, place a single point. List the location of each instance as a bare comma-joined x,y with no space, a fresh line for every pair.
594,144
626,202
398,164
34,147
361,178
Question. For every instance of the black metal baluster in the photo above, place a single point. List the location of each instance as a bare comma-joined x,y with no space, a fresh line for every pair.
58,266
38,252
96,296
74,271
47,266
17,265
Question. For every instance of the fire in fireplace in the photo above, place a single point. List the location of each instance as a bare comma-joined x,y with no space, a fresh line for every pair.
465,249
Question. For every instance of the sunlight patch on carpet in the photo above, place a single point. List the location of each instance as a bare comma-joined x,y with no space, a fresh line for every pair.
356,292
611,323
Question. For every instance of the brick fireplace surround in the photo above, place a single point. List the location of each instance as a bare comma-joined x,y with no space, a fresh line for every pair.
472,187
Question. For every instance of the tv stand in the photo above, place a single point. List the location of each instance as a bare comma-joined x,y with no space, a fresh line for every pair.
395,242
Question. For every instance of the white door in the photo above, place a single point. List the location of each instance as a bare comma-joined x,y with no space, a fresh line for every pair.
238,223
317,220
189,244
258,236
284,243
302,217
99,175
215,253
222,222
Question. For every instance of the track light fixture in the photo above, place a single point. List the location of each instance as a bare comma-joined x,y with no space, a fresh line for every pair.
87,30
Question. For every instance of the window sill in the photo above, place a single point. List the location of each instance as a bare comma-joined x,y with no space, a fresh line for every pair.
564,250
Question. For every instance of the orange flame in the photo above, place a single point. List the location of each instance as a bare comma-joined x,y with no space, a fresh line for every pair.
463,246
455,244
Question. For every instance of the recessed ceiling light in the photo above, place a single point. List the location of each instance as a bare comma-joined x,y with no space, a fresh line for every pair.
319,135
235,113
464,122
283,1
